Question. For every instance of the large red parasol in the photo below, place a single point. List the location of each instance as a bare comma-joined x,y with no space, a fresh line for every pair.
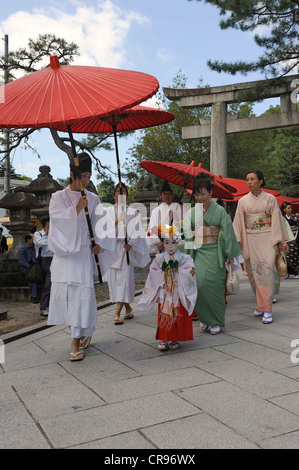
182,175
138,117
70,93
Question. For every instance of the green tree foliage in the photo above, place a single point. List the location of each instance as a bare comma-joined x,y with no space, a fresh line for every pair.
246,150
12,172
105,190
282,161
164,142
276,23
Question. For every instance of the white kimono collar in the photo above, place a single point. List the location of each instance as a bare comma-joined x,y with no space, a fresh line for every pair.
178,256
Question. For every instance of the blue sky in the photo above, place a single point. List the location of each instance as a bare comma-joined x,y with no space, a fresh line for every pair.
158,37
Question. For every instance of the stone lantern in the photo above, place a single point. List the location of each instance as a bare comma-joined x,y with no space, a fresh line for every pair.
43,187
12,282
19,206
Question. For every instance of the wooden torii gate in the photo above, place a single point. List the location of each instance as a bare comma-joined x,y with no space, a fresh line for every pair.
220,124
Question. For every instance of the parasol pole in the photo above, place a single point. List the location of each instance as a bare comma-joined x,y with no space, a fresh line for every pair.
120,184
184,187
78,173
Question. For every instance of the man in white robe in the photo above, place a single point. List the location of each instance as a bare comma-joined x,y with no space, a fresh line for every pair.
120,276
72,299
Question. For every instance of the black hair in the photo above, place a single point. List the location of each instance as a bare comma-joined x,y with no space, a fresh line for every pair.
28,237
85,165
203,180
123,187
44,221
220,202
285,204
165,187
260,176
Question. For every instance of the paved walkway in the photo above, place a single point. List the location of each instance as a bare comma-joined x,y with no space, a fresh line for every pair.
239,389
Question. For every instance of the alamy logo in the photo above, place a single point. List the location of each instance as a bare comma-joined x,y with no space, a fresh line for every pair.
295,353
295,92
2,352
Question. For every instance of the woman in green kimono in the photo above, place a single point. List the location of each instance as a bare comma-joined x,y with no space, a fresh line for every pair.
211,242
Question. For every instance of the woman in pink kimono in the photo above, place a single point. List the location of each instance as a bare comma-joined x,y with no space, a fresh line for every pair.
261,232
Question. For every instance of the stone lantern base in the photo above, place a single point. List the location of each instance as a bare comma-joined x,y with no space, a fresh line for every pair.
13,286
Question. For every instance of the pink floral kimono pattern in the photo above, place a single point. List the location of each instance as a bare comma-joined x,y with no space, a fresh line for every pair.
259,227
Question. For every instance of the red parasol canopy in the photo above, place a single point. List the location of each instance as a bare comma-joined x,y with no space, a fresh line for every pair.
242,187
70,93
292,200
182,175
138,117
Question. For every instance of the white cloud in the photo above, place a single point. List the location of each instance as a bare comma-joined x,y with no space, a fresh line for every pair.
164,56
153,102
100,32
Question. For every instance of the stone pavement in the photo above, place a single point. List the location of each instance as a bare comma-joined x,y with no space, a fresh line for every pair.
237,390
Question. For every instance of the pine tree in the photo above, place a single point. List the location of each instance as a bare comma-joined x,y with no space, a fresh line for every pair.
278,21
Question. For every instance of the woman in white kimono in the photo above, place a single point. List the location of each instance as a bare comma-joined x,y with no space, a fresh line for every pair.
120,276
72,298
261,233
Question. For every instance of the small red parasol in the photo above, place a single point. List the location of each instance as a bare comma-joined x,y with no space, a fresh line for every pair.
137,117
183,175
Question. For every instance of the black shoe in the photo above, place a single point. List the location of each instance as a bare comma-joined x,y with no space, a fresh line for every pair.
34,300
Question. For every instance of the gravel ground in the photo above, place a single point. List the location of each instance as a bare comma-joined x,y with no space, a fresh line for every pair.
24,314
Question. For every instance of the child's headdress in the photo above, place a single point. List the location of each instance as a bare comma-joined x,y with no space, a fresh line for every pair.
168,231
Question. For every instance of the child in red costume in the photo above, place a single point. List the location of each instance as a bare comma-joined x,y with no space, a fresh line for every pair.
171,283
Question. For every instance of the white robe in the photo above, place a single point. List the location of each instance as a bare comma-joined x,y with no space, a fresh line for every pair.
120,276
72,299
185,287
